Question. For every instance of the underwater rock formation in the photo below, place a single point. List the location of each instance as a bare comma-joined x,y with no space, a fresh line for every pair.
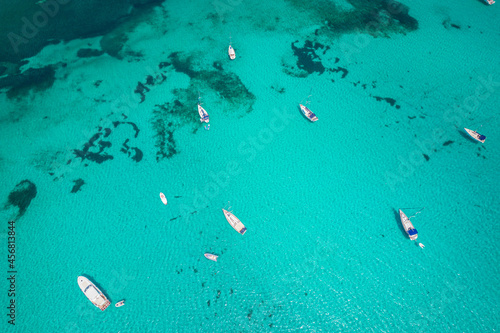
33,78
308,61
163,124
101,156
227,85
89,53
376,17
78,183
28,26
22,195
389,100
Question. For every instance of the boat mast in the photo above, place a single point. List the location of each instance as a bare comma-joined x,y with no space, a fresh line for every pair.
421,209
307,98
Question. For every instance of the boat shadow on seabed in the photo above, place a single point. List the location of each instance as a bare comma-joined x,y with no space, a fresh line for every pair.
397,218
467,136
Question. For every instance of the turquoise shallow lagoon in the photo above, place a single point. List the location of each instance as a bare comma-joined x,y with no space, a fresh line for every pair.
85,153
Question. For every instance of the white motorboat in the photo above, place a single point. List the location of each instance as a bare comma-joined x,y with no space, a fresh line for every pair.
93,293
211,256
163,198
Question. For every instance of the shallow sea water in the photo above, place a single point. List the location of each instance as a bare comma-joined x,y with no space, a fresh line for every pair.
324,250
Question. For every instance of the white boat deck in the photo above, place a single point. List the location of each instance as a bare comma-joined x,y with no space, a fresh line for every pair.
234,222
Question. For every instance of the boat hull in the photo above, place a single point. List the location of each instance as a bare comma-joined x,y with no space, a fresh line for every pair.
407,225
231,53
475,135
234,222
93,293
210,256
163,198
203,114
308,113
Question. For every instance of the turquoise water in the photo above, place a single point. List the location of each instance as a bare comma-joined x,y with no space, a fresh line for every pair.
324,250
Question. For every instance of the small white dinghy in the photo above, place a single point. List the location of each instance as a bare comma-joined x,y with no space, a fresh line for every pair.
163,198
211,256
234,222
479,137
120,303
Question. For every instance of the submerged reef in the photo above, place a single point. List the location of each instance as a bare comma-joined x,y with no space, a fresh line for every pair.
448,24
307,60
166,118
89,53
22,195
376,17
389,100
142,88
20,84
89,153
227,85
127,150
181,111
78,183
28,26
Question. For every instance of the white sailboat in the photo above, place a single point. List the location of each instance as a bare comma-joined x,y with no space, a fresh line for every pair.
479,137
201,111
408,226
230,51
234,221
306,112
